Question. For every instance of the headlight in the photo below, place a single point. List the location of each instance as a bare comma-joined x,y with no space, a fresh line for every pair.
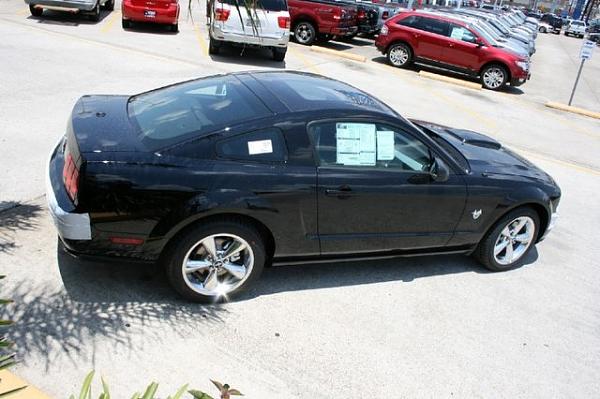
384,30
524,65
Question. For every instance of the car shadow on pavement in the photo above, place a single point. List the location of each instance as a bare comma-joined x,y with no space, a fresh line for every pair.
16,216
329,275
334,46
150,28
247,56
62,18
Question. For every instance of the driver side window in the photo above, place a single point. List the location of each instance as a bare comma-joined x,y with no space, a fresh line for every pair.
368,145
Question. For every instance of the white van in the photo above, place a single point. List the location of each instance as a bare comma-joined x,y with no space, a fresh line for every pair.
230,23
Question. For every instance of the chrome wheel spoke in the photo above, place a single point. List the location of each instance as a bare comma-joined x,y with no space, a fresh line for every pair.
196,265
514,240
211,246
234,248
523,238
237,271
521,223
500,247
212,280
508,257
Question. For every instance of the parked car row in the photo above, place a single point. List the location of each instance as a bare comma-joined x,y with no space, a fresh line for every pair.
490,45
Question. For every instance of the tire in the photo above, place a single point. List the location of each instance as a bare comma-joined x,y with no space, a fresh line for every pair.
497,237
494,77
174,28
279,53
305,33
36,12
126,24
324,38
399,55
542,29
109,5
224,284
95,15
213,47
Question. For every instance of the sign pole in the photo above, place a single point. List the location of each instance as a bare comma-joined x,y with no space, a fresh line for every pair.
576,80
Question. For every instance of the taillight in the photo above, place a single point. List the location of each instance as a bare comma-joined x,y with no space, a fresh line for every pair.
71,177
283,22
222,14
361,14
385,15
337,16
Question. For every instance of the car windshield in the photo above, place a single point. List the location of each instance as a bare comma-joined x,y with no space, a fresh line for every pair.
489,29
481,32
577,23
172,114
499,26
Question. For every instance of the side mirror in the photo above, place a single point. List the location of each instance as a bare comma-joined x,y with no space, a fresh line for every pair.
439,170
478,42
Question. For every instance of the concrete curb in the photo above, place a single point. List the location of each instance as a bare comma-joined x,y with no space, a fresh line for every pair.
338,53
575,110
9,381
447,79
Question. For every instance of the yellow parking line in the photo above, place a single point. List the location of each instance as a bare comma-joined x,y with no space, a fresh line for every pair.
201,39
114,16
23,11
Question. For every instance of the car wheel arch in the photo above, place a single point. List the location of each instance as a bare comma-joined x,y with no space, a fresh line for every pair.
305,18
541,210
499,63
400,42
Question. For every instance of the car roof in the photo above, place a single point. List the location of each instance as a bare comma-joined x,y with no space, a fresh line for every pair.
301,91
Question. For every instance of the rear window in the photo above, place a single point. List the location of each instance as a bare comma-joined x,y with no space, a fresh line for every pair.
175,113
268,5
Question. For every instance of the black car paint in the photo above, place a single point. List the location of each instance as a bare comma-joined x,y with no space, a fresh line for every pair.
130,192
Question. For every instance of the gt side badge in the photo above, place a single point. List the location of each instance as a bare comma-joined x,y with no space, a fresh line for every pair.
476,213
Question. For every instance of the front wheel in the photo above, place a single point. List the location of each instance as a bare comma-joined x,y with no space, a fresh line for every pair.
216,261
494,77
305,33
511,238
95,15
125,23
109,5
35,11
399,55
213,47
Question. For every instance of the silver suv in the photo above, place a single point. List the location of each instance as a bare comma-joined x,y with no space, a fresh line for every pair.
576,28
90,8
265,25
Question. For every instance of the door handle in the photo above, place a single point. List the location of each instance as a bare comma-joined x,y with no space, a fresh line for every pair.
340,192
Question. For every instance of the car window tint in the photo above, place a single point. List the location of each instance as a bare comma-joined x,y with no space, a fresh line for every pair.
409,21
265,145
433,26
169,115
269,5
358,144
461,33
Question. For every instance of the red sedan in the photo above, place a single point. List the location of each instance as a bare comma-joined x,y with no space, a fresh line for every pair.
155,11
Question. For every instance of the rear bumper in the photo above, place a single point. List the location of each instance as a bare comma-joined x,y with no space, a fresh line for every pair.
70,225
163,15
223,36
347,31
86,5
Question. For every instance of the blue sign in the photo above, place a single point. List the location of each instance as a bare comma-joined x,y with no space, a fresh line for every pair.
578,9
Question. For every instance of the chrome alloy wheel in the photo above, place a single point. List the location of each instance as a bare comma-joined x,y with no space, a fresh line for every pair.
218,264
399,56
303,33
514,240
493,77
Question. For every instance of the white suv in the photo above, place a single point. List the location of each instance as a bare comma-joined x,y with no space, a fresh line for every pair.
576,28
269,26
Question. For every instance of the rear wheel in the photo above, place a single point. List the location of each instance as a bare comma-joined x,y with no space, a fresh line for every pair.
494,77
95,15
35,11
174,28
305,33
279,53
213,46
399,55
216,261
542,29
126,23
511,238
109,5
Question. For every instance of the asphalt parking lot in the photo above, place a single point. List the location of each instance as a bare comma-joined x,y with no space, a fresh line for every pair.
422,327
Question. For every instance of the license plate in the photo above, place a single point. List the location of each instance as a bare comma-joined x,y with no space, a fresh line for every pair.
249,22
149,13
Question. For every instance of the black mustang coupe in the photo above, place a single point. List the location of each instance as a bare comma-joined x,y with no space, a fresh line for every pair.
220,176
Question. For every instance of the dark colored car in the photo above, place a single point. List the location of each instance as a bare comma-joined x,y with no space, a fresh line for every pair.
220,176
453,44
554,21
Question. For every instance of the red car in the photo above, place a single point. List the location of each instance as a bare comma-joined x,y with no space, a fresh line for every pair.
451,44
321,20
155,11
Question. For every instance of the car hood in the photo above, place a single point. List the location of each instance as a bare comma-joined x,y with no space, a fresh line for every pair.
484,154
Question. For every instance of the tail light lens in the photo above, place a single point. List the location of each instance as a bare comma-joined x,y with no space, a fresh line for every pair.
336,14
222,14
283,22
385,15
71,177
361,14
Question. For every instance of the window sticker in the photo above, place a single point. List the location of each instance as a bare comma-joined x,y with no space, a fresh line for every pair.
355,144
260,147
385,145
457,33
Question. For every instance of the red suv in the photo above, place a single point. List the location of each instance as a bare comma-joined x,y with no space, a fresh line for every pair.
451,44
156,11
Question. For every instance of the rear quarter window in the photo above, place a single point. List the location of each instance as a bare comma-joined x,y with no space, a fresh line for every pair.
173,114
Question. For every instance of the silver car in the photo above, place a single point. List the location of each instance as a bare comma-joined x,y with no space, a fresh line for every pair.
91,8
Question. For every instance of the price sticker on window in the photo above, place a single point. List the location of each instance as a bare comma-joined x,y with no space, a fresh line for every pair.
260,147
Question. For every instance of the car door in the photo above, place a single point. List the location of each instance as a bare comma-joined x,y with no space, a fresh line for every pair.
462,50
375,191
427,36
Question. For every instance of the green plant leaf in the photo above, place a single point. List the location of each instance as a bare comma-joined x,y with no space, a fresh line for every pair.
199,394
150,391
136,395
7,393
5,322
86,388
235,392
5,301
7,361
105,390
179,393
